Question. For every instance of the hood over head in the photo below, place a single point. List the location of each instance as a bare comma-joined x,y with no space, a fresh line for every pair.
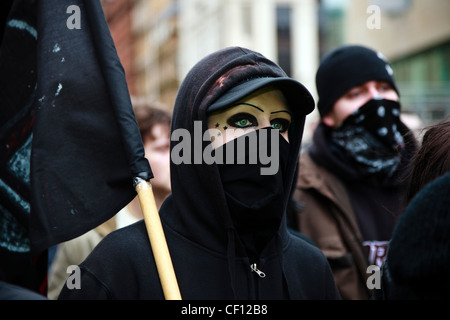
200,210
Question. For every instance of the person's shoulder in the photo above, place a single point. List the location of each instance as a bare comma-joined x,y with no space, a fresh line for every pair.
307,263
305,158
309,166
298,235
303,246
120,249
313,175
10,291
133,232
310,174
131,237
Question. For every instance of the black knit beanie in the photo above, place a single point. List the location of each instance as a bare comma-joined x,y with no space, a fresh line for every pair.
418,259
346,67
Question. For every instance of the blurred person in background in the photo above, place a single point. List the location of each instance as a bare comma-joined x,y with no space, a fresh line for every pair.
154,125
351,180
432,159
418,259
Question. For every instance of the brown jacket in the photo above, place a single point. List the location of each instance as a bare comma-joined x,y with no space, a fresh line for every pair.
327,218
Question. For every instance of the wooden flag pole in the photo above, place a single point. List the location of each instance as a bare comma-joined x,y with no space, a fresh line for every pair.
157,240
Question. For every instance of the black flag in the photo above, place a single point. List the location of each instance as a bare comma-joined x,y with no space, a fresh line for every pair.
17,89
84,145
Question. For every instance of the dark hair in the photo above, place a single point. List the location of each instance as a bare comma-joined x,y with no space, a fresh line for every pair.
432,160
150,114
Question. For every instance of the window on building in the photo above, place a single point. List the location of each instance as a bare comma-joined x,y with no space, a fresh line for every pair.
284,37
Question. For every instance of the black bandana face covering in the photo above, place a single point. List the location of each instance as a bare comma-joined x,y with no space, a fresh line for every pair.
371,138
255,200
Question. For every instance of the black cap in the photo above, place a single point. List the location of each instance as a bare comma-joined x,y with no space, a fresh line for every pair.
293,91
347,67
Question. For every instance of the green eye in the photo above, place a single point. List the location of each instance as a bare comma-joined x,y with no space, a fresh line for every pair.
242,120
280,124
242,123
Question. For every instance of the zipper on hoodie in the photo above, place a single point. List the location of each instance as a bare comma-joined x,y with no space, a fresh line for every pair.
255,281
255,269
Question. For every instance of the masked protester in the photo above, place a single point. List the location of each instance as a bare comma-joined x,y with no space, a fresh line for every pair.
236,132
351,181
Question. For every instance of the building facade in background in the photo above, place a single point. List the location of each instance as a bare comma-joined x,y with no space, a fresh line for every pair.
118,16
158,41
413,34
169,36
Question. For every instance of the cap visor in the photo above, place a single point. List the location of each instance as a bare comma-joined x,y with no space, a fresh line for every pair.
293,91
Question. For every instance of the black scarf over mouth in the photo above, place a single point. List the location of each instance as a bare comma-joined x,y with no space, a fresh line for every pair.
255,200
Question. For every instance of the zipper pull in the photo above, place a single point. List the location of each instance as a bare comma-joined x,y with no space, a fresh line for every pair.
259,272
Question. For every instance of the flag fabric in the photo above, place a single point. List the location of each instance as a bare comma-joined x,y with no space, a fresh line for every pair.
86,142
17,91
83,145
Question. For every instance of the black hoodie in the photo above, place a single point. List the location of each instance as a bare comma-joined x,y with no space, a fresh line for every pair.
207,254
